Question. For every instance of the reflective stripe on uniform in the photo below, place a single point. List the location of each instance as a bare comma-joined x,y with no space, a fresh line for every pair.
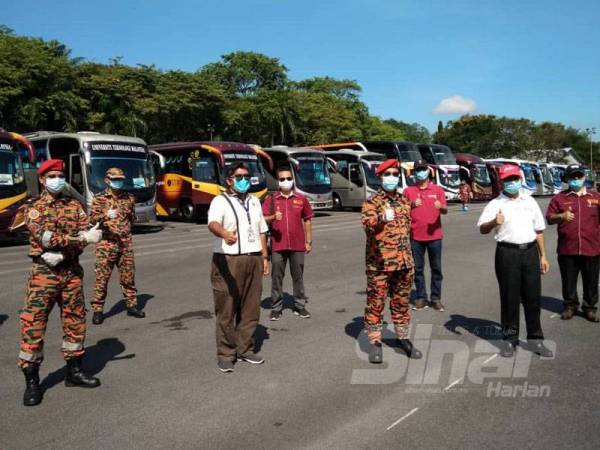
35,356
46,238
72,346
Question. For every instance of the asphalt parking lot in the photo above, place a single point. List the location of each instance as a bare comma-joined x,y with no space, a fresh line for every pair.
161,388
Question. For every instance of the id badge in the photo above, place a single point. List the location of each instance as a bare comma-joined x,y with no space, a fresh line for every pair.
251,236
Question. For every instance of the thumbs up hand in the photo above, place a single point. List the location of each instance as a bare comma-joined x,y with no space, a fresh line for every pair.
499,218
568,216
92,236
230,237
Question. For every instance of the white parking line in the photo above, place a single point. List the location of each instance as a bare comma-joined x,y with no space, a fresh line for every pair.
453,383
402,418
490,358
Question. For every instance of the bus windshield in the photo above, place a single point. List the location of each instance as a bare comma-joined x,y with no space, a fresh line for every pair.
450,177
557,174
136,165
11,171
409,155
529,175
481,175
257,174
311,172
373,181
443,155
547,176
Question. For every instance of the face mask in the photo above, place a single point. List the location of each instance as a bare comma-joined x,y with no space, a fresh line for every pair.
241,186
512,187
422,175
116,184
575,185
286,185
389,183
55,185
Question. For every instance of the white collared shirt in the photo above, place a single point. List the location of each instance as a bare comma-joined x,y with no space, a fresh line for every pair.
249,231
522,219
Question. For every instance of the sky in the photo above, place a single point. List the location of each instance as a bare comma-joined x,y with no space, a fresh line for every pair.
416,61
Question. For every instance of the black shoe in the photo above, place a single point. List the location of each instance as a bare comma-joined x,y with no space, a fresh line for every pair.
437,305
275,315
33,392
134,311
76,377
409,349
508,349
97,318
539,348
302,312
376,354
225,366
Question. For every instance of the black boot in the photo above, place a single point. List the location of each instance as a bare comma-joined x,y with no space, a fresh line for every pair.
75,376
409,349
136,312
376,354
33,392
97,318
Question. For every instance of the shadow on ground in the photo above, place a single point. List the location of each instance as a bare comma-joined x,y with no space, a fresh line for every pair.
482,328
121,306
96,358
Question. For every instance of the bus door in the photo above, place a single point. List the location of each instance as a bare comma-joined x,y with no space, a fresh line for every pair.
205,182
75,179
356,186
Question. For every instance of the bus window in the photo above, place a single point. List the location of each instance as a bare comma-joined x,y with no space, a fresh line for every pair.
204,169
40,153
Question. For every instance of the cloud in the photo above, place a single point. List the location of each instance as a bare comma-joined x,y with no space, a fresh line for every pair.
455,105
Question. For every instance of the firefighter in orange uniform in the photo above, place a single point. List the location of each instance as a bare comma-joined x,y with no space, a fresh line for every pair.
390,267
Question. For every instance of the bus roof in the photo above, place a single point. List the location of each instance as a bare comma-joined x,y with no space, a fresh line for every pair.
222,146
468,158
31,153
291,150
358,153
84,136
341,145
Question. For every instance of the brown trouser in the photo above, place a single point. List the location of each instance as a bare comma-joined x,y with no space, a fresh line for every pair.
237,289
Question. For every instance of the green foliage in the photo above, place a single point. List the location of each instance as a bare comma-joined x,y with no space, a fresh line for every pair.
490,137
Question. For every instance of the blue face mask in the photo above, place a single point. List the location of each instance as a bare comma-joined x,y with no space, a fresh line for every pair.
55,185
116,184
389,183
512,187
241,186
422,175
575,185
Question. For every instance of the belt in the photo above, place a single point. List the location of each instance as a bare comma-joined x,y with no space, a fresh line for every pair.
519,246
241,254
64,262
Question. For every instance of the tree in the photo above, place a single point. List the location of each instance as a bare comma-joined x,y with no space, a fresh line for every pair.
412,132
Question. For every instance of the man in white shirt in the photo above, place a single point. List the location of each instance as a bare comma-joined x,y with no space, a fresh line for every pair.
240,260
518,226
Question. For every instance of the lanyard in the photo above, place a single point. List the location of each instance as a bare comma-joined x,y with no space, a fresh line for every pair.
246,206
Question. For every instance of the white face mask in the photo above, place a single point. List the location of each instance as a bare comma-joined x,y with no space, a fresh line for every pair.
55,185
286,185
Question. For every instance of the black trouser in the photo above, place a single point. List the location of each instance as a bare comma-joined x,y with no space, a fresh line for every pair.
570,266
278,263
519,279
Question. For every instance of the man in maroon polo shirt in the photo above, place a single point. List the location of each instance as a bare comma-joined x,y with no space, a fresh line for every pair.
576,211
428,202
289,215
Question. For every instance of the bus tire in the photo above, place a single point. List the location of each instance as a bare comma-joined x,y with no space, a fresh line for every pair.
337,202
187,210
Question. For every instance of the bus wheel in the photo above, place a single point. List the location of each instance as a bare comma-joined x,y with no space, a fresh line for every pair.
187,211
337,202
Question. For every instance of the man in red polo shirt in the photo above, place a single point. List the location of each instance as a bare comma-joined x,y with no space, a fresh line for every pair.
428,202
289,215
576,211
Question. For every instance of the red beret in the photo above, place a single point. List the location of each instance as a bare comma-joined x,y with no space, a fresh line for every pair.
509,170
51,164
387,164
